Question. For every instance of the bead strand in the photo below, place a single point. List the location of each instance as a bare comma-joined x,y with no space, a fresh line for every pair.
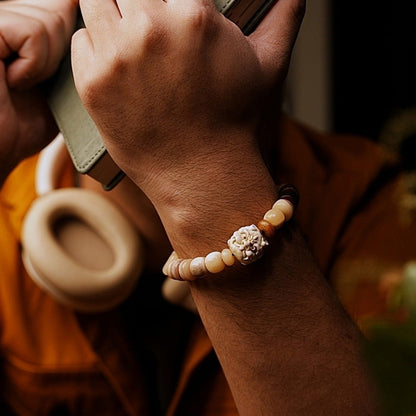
246,244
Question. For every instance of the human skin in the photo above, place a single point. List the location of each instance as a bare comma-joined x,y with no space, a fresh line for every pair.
284,342
34,35
179,96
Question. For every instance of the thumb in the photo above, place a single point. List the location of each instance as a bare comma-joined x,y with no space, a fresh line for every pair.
275,36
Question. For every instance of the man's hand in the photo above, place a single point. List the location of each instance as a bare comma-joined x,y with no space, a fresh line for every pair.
178,94
176,89
34,35
26,124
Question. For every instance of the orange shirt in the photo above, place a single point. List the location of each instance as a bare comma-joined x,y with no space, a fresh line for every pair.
54,359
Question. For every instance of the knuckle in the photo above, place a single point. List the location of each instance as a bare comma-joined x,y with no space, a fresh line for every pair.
154,35
88,85
56,24
38,32
71,5
87,90
86,93
33,70
200,19
98,81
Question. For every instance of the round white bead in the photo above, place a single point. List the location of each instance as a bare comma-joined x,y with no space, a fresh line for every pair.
214,263
197,266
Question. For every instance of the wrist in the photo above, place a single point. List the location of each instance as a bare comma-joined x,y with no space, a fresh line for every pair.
245,246
201,217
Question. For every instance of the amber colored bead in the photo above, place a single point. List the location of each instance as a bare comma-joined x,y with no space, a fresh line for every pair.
285,206
275,217
266,228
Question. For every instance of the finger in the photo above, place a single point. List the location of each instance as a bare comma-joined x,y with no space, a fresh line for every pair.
62,13
29,44
193,6
65,10
134,8
274,38
28,69
68,15
130,8
39,38
100,17
82,49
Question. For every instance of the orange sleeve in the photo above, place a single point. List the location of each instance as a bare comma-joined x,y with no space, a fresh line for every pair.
354,212
377,243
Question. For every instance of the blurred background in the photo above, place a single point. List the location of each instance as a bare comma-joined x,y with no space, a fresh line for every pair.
354,72
354,69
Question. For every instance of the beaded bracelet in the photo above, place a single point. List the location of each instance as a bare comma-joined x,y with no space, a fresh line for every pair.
246,244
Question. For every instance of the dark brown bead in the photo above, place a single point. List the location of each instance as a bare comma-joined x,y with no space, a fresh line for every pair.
290,193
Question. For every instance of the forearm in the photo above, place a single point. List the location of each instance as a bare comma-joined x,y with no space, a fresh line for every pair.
185,136
283,340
